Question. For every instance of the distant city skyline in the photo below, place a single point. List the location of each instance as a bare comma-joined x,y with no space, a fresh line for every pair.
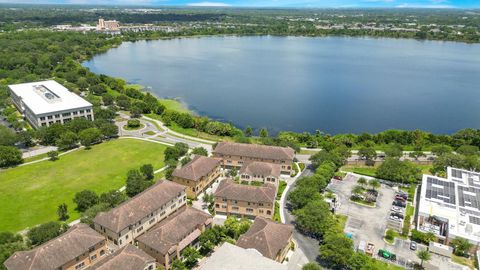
273,3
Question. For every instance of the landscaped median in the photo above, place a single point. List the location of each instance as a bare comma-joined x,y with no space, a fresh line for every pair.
31,194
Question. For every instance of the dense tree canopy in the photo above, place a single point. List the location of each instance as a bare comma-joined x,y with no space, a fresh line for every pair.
45,232
396,170
85,199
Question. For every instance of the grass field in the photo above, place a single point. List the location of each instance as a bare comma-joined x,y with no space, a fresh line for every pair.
463,261
191,131
363,170
281,188
31,194
370,171
175,105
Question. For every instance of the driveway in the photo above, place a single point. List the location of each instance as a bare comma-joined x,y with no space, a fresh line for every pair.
307,244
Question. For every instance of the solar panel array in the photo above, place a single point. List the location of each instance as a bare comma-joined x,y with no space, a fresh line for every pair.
470,199
441,190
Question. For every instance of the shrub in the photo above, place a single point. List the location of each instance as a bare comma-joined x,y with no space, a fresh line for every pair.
53,155
390,235
421,237
406,225
10,156
133,123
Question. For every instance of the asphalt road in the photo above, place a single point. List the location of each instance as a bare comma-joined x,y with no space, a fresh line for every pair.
308,244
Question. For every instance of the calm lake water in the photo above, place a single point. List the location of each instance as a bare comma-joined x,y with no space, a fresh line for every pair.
334,84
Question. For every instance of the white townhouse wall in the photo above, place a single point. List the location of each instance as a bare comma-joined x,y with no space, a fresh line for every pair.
123,224
47,102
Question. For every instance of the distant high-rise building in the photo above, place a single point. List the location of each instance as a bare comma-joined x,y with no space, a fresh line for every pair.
107,25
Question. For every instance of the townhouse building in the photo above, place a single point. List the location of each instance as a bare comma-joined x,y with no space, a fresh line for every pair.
235,155
197,175
128,257
78,248
123,224
260,172
168,238
273,240
245,200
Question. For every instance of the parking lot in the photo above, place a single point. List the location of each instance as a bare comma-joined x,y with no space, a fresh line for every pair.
370,223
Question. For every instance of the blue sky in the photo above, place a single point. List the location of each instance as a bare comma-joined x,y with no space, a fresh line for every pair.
274,3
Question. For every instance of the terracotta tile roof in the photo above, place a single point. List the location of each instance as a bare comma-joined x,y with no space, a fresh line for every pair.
176,230
255,151
230,190
261,168
266,236
140,206
58,251
127,258
199,167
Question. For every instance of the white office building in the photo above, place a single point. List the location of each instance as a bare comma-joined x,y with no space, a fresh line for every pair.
47,102
450,207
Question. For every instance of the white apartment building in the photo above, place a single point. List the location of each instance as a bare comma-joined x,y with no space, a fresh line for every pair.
47,102
123,224
450,207
108,25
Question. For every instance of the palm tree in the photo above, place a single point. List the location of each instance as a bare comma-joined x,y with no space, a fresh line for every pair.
357,190
362,181
423,255
374,183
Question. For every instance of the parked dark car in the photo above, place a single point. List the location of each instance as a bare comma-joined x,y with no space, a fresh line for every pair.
399,204
400,198
402,194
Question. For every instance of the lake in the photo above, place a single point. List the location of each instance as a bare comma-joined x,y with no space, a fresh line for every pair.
334,84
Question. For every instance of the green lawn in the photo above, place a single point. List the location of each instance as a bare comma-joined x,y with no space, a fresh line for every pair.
463,261
276,213
363,170
281,187
307,152
174,105
409,210
30,194
191,131
34,158
370,170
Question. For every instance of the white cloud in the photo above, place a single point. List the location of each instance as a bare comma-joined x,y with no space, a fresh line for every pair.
208,4
406,5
